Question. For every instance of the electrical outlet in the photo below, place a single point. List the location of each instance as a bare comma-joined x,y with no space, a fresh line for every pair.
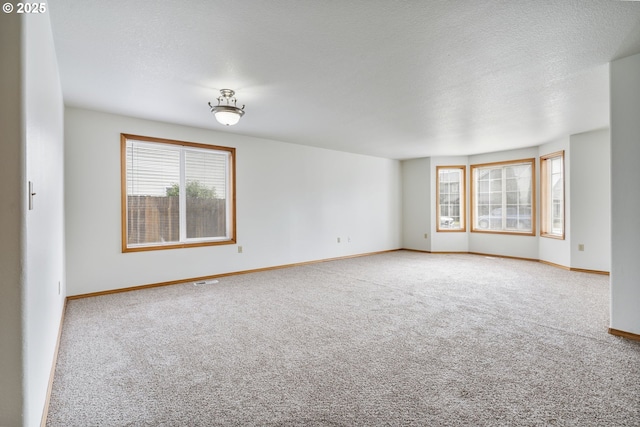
338,240
581,247
239,249
426,235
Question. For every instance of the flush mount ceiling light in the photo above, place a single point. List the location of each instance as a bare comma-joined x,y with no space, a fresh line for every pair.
226,111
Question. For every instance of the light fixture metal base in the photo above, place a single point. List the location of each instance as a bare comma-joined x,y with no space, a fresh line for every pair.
227,93
227,113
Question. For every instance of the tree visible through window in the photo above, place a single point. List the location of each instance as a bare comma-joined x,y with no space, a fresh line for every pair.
451,197
503,197
552,195
176,194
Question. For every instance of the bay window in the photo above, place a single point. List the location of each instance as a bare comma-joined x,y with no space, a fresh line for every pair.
552,195
450,204
503,197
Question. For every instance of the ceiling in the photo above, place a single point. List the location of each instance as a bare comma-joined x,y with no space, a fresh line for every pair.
395,79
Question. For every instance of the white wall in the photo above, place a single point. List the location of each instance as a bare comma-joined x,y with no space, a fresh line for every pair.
590,215
552,250
625,196
12,221
33,242
293,202
497,244
44,291
416,206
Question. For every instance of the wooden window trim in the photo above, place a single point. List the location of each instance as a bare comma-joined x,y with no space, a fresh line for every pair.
463,198
123,192
472,205
544,197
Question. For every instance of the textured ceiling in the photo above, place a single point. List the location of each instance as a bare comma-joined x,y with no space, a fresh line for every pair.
396,79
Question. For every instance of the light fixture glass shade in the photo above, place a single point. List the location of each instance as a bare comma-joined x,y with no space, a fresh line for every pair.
227,115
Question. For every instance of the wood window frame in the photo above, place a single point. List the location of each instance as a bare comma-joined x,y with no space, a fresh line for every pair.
546,204
231,202
473,207
463,198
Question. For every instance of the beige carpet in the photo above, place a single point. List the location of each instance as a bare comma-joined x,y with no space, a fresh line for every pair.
396,339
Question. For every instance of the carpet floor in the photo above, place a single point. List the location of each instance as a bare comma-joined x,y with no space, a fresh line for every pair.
394,339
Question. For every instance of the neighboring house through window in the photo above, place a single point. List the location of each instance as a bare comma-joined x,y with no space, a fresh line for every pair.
552,195
503,197
176,194
450,198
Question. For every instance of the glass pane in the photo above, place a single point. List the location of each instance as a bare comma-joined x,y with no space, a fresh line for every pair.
518,171
444,187
496,174
484,209
152,210
206,183
524,197
496,199
482,174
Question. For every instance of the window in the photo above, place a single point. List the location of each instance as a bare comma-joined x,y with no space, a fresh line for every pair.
451,196
552,195
503,197
176,194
